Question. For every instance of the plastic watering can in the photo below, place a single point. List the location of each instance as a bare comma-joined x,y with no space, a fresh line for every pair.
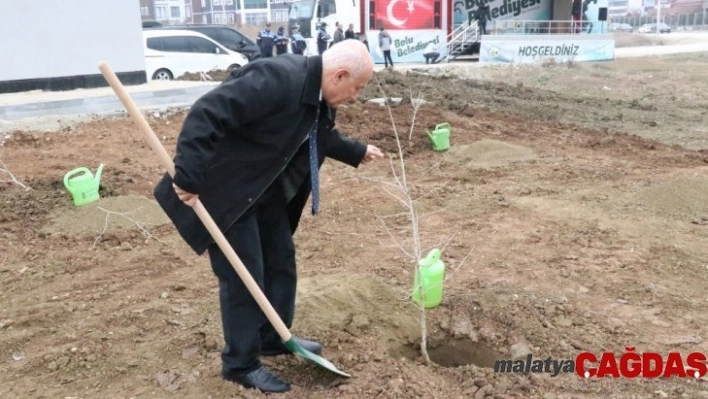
432,272
440,136
82,185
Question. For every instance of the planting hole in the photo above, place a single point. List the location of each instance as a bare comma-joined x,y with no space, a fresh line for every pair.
453,353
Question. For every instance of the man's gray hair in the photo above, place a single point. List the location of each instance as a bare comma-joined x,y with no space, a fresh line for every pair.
348,54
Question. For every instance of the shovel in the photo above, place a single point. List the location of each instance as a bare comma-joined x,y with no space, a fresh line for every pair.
211,226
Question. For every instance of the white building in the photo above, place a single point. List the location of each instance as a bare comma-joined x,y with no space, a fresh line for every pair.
57,45
170,11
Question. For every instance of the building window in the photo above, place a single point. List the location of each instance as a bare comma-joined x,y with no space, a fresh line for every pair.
145,11
161,13
255,18
256,5
229,2
188,12
216,2
231,17
174,12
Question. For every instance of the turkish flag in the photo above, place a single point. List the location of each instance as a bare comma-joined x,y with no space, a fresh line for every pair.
405,14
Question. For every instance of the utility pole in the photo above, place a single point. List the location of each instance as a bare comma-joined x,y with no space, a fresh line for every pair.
658,16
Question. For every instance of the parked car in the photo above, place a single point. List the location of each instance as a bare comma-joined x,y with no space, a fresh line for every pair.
651,28
172,53
617,27
149,23
227,36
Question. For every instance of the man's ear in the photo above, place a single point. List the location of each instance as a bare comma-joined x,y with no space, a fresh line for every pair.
340,75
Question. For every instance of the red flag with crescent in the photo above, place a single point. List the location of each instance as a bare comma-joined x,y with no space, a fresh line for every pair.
405,14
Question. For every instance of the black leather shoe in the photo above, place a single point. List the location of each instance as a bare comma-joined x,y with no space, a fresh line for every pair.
280,349
260,378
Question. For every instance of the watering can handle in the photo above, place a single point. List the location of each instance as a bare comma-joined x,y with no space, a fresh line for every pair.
74,172
434,255
204,216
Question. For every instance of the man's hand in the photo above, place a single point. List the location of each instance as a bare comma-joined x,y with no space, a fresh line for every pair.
188,198
372,153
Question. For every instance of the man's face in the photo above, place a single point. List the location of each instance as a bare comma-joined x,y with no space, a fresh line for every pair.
342,87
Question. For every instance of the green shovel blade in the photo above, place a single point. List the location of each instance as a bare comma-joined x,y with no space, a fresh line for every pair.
298,350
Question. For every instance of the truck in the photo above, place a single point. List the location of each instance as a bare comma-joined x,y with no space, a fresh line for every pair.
307,15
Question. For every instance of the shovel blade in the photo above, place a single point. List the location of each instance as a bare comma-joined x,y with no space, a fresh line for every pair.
298,350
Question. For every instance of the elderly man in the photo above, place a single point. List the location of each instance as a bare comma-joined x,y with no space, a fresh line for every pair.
250,150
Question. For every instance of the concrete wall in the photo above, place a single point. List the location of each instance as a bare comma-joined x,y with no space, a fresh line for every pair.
45,41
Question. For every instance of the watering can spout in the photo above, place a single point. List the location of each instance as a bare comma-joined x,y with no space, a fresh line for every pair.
99,171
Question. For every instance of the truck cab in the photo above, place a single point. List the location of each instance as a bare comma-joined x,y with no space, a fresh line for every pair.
307,15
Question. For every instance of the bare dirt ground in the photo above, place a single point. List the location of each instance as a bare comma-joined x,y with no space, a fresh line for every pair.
570,209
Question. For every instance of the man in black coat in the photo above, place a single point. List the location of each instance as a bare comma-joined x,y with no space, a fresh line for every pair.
244,151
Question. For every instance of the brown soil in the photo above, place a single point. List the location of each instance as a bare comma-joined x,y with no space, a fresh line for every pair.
558,238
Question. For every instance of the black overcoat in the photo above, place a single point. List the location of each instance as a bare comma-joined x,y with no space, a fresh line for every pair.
239,137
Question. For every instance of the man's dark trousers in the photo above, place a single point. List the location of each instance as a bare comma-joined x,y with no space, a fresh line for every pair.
262,239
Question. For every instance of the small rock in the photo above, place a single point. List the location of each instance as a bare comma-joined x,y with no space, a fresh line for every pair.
164,295
563,321
661,394
5,323
482,392
519,351
394,383
189,351
481,382
549,396
179,287
361,321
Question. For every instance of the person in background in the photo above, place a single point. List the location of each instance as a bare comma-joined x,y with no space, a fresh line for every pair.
297,42
265,41
338,34
281,41
250,151
482,17
385,42
431,53
349,33
322,38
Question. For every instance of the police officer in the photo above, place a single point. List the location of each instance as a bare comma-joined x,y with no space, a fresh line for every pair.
323,38
266,40
298,42
281,41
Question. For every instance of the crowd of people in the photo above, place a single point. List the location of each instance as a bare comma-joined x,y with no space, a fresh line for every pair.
268,40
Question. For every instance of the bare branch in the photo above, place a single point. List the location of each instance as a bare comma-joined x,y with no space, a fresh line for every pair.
125,215
394,239
380,181
416,105
12,179
464,259
395,196
430,192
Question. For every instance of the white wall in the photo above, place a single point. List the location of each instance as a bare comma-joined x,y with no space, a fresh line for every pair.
57,38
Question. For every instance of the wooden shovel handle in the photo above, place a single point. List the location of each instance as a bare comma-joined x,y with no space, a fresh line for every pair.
204,216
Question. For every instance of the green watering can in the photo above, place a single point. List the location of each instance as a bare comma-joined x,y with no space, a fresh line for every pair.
430,282
82,185
440,136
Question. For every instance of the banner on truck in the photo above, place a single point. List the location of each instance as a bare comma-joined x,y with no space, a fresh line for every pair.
559,48
499,10
408,45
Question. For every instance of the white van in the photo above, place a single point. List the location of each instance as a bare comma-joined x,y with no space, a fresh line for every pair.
170,54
